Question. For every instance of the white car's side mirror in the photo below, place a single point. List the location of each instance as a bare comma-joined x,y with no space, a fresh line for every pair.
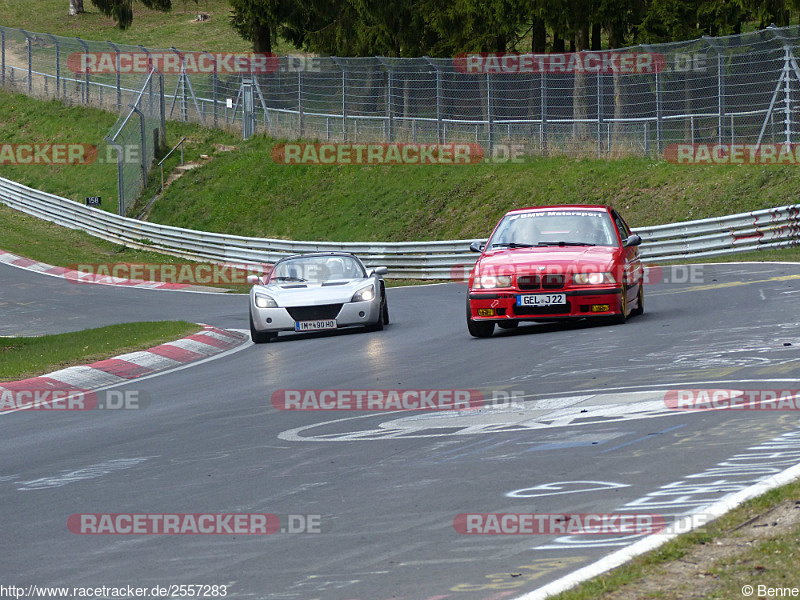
380,270
253,279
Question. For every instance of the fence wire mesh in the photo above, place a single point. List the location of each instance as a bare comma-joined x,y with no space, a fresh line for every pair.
740,89
137,135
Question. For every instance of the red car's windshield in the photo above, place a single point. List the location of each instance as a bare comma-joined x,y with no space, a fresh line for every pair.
554,228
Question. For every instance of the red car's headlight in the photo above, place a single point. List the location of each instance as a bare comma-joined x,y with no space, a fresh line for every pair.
593,278
488,282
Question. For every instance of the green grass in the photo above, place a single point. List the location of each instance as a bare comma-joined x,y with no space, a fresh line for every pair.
25,120
150,28
778,552
24,357
246,193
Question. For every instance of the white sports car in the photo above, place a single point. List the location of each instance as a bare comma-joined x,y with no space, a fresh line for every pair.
316,292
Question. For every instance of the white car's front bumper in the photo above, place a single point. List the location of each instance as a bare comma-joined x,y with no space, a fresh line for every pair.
350,314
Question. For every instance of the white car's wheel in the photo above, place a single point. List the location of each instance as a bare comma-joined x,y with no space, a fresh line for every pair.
260,337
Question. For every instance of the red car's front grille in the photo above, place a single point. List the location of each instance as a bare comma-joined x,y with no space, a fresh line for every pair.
529,282
552,282
536,282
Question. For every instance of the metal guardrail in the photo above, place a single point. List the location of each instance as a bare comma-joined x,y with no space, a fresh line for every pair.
769,228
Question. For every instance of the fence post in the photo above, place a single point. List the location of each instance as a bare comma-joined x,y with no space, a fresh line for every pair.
789,64
787,96
720,89
247,108
440,131
120,177
389,91
144,142
213,88
85,95
344,103
489,114
162,108
599,114
58,66
301,121
30,65
119,80
659,117
543,135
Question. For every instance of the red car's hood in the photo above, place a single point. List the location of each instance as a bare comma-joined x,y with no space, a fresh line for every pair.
565,259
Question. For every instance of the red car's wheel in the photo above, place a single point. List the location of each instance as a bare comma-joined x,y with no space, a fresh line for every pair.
639,310
623,304
479,329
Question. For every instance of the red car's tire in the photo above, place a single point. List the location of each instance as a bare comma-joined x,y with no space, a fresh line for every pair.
639,310
623,303
478,329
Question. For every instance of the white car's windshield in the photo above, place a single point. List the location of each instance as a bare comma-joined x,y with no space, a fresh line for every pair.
317,269
554,228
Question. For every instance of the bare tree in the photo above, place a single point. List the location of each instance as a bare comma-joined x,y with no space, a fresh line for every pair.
75,7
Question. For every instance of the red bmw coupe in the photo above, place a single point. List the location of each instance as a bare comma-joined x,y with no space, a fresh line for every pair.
554,262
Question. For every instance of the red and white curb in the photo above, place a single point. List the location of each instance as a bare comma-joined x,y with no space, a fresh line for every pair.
74,276
202,345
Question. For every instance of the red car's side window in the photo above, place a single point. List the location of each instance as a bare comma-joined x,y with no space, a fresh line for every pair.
624,232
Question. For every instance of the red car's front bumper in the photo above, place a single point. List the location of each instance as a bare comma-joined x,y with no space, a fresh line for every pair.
496,306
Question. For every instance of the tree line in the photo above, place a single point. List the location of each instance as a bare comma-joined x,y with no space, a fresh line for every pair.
437,28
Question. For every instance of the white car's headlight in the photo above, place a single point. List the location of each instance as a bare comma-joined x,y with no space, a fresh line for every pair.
593,278
263,301
364,294
488,282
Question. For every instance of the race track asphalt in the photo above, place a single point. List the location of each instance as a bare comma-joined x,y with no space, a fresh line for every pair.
590,433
